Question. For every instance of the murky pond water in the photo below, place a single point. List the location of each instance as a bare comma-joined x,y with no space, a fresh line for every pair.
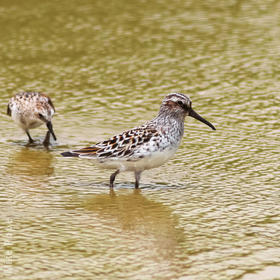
212,212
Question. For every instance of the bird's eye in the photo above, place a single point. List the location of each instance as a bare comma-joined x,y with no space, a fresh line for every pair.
40,116
180,102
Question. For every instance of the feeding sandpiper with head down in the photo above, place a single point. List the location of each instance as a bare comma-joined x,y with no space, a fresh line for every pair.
147,146
30,110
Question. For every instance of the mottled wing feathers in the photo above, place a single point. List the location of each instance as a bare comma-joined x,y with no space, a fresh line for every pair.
122,146
40,99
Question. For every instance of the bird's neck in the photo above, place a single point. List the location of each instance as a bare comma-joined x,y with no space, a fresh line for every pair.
170,122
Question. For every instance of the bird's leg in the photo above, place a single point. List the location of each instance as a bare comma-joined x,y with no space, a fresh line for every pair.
137,179
113,177
29,137
46,141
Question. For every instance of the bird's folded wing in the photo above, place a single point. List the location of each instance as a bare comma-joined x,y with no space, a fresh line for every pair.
122,146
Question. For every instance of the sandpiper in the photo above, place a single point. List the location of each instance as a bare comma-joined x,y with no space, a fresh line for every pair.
30,110
147,146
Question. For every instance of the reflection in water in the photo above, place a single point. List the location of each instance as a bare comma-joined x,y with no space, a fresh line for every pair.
31,164
221,53
151,223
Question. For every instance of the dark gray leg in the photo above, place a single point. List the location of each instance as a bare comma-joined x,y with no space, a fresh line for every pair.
113,177
46,141
137,179
29,137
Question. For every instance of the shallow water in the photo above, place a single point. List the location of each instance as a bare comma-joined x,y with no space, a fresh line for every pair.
212,212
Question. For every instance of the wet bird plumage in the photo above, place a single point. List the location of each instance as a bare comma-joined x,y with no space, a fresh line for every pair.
147,146
30,110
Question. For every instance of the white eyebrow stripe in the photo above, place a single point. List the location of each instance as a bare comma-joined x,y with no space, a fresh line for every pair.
179,96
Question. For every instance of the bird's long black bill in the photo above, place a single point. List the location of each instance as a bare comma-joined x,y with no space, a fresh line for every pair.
195,115
50,128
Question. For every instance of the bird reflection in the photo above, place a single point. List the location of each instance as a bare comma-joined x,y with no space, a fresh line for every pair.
150,222
31,164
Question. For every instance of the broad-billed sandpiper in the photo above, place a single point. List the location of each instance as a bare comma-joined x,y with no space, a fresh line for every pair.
146,146
30,110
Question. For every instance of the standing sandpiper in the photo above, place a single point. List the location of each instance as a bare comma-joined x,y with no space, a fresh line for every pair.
30,110
146,146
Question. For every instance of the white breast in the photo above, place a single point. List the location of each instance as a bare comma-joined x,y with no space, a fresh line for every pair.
25,120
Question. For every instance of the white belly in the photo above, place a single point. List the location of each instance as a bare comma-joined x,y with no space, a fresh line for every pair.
156,159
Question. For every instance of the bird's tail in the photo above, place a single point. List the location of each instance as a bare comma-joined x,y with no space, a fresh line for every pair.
69,154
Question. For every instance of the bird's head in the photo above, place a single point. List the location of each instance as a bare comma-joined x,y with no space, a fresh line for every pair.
180,105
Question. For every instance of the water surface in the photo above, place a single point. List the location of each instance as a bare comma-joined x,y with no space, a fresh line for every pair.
212,212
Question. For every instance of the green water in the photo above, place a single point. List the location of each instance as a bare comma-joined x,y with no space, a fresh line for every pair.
212,212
